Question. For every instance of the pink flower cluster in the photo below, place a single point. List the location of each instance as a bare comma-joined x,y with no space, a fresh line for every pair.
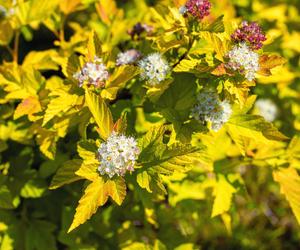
198,8
250,33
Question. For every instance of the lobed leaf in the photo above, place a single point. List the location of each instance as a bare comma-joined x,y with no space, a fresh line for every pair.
88,204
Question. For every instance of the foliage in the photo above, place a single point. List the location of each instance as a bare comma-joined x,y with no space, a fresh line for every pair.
194,185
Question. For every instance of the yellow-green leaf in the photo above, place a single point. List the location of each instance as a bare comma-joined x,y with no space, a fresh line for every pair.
223,194
88,204
116,189
255,127
28,106
101,114
289,181
66,174
144,179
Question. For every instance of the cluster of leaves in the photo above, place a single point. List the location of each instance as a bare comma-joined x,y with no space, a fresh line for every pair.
51,128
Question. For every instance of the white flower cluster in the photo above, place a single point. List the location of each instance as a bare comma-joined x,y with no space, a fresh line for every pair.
117,155
243,59
267,109
128,57
154,68
211,109
92,73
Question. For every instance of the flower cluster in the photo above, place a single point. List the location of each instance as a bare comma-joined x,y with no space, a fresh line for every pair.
243,59
117,155
267,109
94,73
154,68
210,108
250,33
197,8
128,57
138,29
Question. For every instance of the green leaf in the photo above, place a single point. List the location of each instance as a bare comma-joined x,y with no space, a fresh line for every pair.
66,174
6,199
34,188
175,103
289,181
88,204
101,114
40,235
166,159
223,192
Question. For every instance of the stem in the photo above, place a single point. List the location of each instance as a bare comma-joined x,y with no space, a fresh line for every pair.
10,51
15,52
191,41
62,29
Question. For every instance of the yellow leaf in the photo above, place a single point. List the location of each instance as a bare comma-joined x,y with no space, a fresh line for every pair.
28,106
88,171
106,9
223,194
289,181
101,114
266,63
121,75
226,218
58,105
69,6
87,151
218,43
93,46
41,60
88,204
116,189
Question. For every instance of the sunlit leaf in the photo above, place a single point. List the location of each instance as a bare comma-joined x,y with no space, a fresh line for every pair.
101,114
88,204
289,181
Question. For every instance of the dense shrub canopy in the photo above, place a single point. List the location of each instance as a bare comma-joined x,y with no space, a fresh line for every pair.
138,124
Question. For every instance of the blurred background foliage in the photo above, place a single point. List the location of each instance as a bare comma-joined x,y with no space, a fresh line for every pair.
38,218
